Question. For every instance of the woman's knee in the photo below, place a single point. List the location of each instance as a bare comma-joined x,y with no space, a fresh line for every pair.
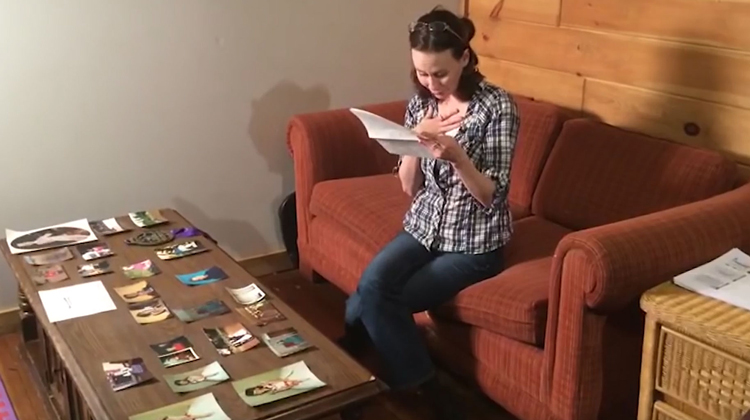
373,282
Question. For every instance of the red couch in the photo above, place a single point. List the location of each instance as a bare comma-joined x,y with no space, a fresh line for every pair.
601,215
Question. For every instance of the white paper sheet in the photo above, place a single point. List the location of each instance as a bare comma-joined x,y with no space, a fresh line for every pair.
726,278
76,301
64,234
395,138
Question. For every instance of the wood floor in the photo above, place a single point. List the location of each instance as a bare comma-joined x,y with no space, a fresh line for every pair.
321,304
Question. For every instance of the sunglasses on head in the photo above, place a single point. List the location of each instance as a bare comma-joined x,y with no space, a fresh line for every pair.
433,27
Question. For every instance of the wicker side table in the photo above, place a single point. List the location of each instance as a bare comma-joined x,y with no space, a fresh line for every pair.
696,357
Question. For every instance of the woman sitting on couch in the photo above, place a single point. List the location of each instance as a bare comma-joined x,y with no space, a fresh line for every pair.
459,219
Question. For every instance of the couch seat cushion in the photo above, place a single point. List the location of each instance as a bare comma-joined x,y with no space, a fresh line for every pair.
371,207
513,303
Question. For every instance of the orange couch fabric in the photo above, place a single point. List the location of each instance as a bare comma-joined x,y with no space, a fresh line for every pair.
597,211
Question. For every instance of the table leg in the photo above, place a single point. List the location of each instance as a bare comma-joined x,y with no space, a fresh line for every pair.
354,412
28,318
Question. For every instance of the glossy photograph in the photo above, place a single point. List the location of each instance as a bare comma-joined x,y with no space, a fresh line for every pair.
262,313
94,251
285,341
147,218
180,250
107,227
137,292
211,308
247,295
94,269
149,311
196,379
124,374
140,270
207,276
176,351
204,407
49,274
64,234
52,257
231,338
277,384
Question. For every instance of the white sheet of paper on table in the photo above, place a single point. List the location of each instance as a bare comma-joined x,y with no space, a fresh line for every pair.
76,301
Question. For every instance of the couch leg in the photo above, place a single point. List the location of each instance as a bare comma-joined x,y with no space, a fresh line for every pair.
317,278
287,214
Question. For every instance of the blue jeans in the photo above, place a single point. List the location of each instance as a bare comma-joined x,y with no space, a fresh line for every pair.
402,279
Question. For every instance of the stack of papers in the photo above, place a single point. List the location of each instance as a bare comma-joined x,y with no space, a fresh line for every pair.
727,278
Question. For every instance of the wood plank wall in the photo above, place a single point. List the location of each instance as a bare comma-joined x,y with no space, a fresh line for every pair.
675,69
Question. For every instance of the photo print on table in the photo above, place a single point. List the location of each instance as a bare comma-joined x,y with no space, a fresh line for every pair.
211,308
94,269
180,250
262,313
150,238
277,384
204,407
107,227
285,342
52,257
49,274
207,276
139,270
231,338
247,295
149,311
64,234
174,352
93,251
196,379
122,374
137,292
147,218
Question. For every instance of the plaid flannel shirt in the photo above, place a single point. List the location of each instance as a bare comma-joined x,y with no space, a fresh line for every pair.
444,215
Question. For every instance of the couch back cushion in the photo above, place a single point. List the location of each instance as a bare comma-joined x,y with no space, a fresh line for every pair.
598,174
540,125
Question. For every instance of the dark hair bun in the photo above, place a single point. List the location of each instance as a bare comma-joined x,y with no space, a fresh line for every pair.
469,29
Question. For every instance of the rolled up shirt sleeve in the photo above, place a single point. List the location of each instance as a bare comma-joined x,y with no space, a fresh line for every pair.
499,146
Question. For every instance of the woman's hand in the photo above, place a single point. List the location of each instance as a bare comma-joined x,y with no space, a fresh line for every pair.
433,123
443,147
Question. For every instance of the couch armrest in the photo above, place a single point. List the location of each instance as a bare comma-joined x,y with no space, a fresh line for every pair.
333,144
598,272
629,257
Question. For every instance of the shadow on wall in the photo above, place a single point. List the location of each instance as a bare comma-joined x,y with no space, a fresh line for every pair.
267,129
232,235
694,71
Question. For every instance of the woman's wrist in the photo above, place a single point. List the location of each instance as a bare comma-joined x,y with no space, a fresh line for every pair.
462,163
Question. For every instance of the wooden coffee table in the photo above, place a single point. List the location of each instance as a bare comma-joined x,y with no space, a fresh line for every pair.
68,355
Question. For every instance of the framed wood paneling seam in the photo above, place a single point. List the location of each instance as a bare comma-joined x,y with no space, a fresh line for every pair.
713,23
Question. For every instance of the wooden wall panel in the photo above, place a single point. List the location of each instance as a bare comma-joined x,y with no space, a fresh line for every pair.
722,127
696,72
651,66
540,11
717,23
564,89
